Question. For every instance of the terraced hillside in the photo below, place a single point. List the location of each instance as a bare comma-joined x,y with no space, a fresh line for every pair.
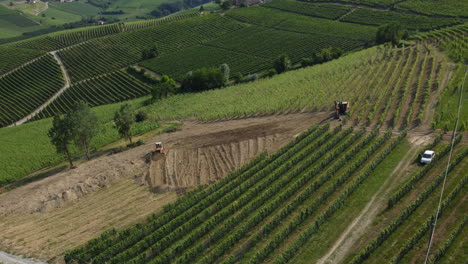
248,39
289,187
104,89
387,86
103,55
344,191
28,87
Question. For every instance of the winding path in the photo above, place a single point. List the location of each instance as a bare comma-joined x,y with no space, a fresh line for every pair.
51,99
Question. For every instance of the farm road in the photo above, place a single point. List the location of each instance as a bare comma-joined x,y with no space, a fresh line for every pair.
51,99
10,259
359,225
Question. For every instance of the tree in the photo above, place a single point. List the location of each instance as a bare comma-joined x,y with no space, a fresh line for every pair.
390,33
224,68
282,64
124,119
226,5
84,125
149,53
60,135
203,79
237,77
167,85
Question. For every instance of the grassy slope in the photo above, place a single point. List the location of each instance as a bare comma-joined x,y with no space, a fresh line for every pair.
263,96
55,16
437,7
447,108
13,24
77,8
31,139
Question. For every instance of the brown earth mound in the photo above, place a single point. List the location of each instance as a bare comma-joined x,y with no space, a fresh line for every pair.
203,159
198,154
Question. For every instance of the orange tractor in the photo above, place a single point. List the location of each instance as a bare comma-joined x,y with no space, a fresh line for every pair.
158,148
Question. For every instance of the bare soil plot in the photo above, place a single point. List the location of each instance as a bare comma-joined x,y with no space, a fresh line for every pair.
45,218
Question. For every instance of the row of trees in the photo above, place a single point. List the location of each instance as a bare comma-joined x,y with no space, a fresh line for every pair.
80,125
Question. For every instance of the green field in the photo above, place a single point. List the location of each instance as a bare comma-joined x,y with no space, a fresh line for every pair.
302,24
177,64
77,8
330,11
11,58
412,22
32,138
102,55
13,23
56,16
453,8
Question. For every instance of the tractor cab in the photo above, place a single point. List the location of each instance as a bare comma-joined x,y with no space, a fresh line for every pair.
341,108
158,147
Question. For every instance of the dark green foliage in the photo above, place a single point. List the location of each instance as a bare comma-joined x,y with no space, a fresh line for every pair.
165,87
61,135
390,33
328,54
226,5
224,68
124,119
149,53
203,79
84,125
141,116
270,73
307,62
282,64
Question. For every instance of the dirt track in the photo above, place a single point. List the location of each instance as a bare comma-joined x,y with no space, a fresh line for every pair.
47,217
204,158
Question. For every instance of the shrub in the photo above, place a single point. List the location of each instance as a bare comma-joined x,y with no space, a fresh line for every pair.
141,116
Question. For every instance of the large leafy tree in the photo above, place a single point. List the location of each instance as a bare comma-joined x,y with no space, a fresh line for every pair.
124,119
282,63
84,125
390,33
203,79
166,86
61,136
